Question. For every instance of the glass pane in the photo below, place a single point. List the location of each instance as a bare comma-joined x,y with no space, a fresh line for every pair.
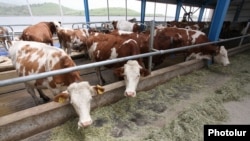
14,8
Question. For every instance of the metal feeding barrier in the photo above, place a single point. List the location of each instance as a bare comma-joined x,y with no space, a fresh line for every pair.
107,62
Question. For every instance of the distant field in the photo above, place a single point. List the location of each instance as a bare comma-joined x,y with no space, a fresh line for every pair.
52,9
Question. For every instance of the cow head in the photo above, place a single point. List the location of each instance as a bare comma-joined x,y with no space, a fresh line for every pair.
80,95
114,23
131,72
221,57
54,26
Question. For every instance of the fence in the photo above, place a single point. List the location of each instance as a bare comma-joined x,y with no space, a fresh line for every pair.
107,62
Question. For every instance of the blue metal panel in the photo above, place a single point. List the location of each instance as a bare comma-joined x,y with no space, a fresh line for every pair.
218,18
143,7
86,10
178,10
201,13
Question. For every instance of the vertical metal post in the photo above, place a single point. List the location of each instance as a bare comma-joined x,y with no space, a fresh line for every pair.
126,7
108,9
151,44
218,19
178,10
166,10
61,11
238,10
202,9
86,10
143,7
244,33
154,10
30,11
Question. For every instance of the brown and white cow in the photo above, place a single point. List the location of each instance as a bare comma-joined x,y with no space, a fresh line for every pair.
177,37
189,25
72,39
4,36
40,32
105,46
31,58
126,26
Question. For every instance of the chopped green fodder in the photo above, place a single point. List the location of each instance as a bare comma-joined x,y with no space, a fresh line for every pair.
188,125
131,119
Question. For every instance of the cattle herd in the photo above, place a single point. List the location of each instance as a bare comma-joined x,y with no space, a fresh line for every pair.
34,53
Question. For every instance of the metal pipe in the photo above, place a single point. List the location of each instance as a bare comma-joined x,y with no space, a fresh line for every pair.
126,8
151,43
244,33
108,9
166,10
30,11
60,6
102,63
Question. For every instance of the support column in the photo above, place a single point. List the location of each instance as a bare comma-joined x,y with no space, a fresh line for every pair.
178,10
202,9
143,7
86,10
218,19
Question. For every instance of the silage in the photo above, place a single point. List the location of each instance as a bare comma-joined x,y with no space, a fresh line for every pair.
130,119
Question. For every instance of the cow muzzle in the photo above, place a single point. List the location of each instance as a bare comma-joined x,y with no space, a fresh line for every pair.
84,124
130,94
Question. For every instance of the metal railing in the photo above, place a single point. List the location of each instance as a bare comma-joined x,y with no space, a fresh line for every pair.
107,62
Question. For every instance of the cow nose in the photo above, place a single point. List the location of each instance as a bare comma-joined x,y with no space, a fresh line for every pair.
130,94
86,123
226,64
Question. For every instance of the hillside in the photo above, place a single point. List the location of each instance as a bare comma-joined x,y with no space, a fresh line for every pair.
53,9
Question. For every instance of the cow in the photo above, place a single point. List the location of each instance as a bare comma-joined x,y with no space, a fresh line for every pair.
172,37
31,58
202,26
105,46
126,26
4,36
72,39
40,32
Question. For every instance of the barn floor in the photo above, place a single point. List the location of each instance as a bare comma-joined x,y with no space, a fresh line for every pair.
175,110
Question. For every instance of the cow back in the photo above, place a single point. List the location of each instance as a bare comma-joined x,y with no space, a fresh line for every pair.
31,58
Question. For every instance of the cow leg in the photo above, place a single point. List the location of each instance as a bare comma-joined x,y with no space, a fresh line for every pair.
51,42
43,96
31,91
99,76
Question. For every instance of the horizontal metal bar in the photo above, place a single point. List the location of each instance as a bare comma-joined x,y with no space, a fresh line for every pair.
154,49
103,63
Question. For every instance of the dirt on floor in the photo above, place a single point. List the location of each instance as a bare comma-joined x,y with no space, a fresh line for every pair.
174,111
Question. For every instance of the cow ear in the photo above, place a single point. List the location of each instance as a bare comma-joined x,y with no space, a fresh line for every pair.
119,72
144,72
99,89
62,97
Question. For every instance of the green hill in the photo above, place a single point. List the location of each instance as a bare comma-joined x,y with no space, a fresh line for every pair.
50,9
53,9
114,11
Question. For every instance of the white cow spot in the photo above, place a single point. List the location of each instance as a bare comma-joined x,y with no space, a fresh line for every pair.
113,53
196,35
222,57
121,32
